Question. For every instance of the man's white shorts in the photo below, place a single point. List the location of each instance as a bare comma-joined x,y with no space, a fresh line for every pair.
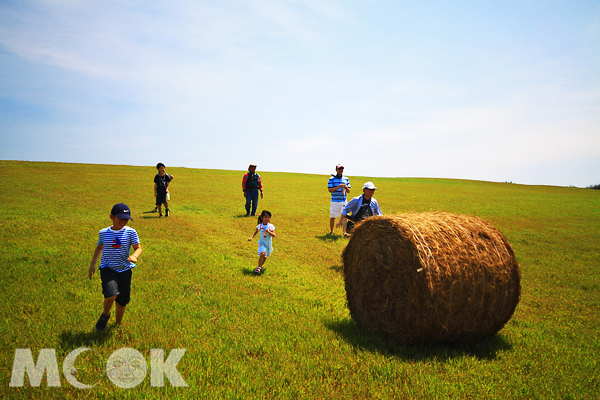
336,207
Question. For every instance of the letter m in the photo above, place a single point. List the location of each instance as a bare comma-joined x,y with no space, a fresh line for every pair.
24,363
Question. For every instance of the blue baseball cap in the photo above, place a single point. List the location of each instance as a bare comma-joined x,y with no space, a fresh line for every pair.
121,211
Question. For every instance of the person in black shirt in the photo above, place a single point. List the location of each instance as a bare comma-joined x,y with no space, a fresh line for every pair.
161,188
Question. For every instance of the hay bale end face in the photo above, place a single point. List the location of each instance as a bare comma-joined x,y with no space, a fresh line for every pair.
430,277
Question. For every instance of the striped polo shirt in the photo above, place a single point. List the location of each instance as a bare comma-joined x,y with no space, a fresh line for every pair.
116,247
339,195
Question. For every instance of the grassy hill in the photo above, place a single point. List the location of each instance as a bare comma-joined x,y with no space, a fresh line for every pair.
287,333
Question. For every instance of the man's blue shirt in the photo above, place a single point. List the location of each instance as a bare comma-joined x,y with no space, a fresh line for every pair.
338,195
354,205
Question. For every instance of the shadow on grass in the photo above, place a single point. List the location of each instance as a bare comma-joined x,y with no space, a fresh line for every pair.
485,349
149,212
250,272
71,340
329,237
337,268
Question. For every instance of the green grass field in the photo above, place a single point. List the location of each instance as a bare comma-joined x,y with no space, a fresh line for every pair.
287,333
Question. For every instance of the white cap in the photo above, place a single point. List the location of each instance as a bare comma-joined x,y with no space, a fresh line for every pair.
369,185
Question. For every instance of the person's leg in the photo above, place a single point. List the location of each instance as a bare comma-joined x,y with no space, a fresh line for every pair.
105,316
261,260
161,198
124,295
167,211
254,202
108,303
349,225
248,200
110,289
335,211
119,312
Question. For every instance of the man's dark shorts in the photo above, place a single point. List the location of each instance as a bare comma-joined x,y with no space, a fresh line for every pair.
116,284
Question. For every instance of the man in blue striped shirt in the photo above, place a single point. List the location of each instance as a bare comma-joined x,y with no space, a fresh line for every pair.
339,187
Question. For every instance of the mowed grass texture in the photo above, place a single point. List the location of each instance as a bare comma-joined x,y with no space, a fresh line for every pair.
287,333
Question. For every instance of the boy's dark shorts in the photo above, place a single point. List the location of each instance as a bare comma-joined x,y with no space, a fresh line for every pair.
116,284
161,197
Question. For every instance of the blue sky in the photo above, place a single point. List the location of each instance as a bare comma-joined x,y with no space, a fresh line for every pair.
485,90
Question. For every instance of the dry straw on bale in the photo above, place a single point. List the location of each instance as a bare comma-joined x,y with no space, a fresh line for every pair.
430,277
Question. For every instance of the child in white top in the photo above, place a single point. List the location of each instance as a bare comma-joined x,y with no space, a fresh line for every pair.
265,241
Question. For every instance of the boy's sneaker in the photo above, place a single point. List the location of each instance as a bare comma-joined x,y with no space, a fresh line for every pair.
155,210
102,321
257,270
159,215
167,213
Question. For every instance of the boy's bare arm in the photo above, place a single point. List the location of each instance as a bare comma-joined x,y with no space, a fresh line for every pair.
136,254
92,269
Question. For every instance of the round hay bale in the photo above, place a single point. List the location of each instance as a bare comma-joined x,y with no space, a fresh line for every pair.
430,277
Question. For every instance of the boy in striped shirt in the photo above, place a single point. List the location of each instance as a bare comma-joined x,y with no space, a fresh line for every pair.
114,244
